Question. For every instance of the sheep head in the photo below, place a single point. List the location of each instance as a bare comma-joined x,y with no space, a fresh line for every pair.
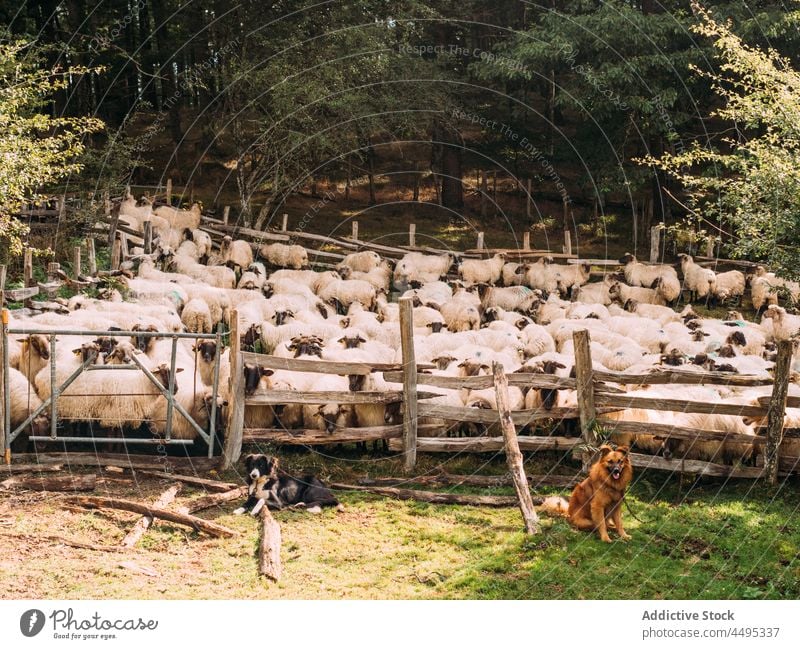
252,377
162,374
281,317
736,338
626,259
352,342
38,344
207,350
144,343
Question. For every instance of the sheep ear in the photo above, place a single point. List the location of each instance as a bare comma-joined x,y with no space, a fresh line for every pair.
77,352
267,372
178,370
362,339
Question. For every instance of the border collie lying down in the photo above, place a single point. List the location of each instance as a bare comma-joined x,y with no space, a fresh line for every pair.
266,487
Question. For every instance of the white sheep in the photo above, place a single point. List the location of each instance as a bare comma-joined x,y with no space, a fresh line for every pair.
285,256
196,316
347,291
236,253
784,325
730,285
700,281
512,298
363,261
482,271
639,274
179,219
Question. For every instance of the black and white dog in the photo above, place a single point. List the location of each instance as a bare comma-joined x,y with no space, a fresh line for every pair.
266,487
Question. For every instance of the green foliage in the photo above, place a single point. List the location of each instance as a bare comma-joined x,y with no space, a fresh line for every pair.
751,184
36,149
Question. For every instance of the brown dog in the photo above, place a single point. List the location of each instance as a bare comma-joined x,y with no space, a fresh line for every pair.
597,501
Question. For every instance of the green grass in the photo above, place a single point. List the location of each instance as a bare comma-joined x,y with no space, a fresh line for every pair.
716,540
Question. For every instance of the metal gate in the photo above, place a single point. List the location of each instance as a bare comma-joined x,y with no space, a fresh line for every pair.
88,365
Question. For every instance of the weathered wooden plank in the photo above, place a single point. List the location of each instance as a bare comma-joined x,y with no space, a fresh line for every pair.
20,294
688,378
321,367
275,397
232,446
480,416
697,467
676,405
410,394
313,437
528,380
490,444
777,409
585,393
666,431
449,479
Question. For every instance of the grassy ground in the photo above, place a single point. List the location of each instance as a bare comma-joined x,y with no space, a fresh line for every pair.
714,541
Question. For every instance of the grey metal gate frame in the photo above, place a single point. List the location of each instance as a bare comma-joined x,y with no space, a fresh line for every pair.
88,365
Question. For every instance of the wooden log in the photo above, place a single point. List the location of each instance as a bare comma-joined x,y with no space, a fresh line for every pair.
232,446
655,242
777,409
697,467
513,454
410,405
209,485
433,496
269,549
51,483
585,394
453,480
7,469
677,405
412,234
76,262
491,444
144,523
214,500
197,524
21,294
313,437
90,253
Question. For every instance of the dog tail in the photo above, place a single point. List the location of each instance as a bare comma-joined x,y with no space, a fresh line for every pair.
553,506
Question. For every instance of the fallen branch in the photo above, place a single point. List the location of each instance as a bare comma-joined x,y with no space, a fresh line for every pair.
143,524
269,549
30,468
59,483
198,524
211,485
438,498
213,500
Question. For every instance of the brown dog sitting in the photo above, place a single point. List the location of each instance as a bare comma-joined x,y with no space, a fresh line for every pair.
597,501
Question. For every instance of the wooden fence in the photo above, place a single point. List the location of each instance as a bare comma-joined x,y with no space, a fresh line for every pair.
596,396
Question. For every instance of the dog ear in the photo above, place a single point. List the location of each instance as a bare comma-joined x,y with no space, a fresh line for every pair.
623,449
605,449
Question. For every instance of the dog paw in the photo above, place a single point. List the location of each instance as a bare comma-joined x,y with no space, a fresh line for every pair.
316,509
239,511
606,539
625,537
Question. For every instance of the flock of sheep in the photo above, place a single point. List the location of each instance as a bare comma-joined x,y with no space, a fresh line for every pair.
521,315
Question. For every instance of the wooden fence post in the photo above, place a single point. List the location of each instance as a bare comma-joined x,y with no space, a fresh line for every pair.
76,261
585,392
106,202
409,383
90,253
3,352
412,234
147,229
484,190
479,244
285,223
777,408
116,254
528,201
232,448
62,207
169,191
226,213
355,230
27,272
655,243
710,246
2,288
526,240
513,454
567,242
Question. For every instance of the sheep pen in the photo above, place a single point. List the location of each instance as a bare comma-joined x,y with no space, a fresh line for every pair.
313,357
